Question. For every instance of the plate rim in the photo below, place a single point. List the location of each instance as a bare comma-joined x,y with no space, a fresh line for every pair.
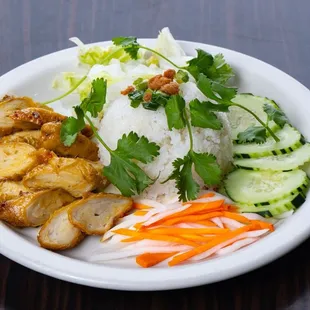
59,266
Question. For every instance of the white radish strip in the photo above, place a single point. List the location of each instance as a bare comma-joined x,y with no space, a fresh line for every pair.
236,246
129,253
250,234
164,214
173,200
115,239
255,216
151,203
230,223
193,225
217,221
149,243
204,200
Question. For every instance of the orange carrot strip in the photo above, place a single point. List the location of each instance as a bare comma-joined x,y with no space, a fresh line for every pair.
197,238
140,213
237,217
195,231
150,259
192,218
141,206
198,250
206,223
207,195
138,225
263,225
167,238
197,208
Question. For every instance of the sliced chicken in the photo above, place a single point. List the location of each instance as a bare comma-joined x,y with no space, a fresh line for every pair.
7,106
16,159
58,233
33,209
35,117
83,147
75,175
31,137
11,190
97,213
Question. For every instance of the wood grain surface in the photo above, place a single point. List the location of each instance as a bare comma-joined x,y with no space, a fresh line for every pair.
276,31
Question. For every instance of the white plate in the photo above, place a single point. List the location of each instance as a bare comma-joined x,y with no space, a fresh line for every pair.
34,79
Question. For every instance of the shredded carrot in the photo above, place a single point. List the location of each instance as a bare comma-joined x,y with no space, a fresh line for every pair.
207,195
192,218
237,217
141,206
150,259
138,225
198,238
140,213
263,225
146,235
195,231
206,223
200,249
194,209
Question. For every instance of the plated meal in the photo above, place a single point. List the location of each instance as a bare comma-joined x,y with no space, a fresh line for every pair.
155,152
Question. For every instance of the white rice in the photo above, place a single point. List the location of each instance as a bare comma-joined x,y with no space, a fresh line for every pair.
120,118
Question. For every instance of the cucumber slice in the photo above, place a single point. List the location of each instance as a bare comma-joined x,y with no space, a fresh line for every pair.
283,162
290,140
264,187
290,203
240,119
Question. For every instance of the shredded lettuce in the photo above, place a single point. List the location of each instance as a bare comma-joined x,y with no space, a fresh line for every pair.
99,55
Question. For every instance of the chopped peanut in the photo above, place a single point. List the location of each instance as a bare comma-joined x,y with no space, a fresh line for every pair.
127,90
171,88
157,81
147,97
170,74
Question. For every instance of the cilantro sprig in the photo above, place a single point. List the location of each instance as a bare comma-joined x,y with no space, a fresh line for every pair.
204,164
123,171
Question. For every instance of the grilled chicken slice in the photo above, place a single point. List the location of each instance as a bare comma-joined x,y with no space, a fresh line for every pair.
7,106
97,213
58,233
31,137
33,209
11,190
83,147
35,117
16,159
75,175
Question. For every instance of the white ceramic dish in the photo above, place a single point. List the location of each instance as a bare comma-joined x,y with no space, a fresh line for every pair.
34,79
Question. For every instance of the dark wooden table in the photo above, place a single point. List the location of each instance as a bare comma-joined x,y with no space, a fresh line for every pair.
276,31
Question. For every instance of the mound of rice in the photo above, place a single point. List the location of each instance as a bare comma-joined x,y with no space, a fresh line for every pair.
119,118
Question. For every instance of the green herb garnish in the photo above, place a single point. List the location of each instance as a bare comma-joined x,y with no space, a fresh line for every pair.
204,164
275,115
123,171
256,134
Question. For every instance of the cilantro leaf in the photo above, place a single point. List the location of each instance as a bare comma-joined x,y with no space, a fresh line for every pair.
123,170
256,134
216,107
275,115
215,91
158,99
175,112
207,167
226,93
130,45
71,126
220,71
135,147
202,117
200,63
96,99
182,174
